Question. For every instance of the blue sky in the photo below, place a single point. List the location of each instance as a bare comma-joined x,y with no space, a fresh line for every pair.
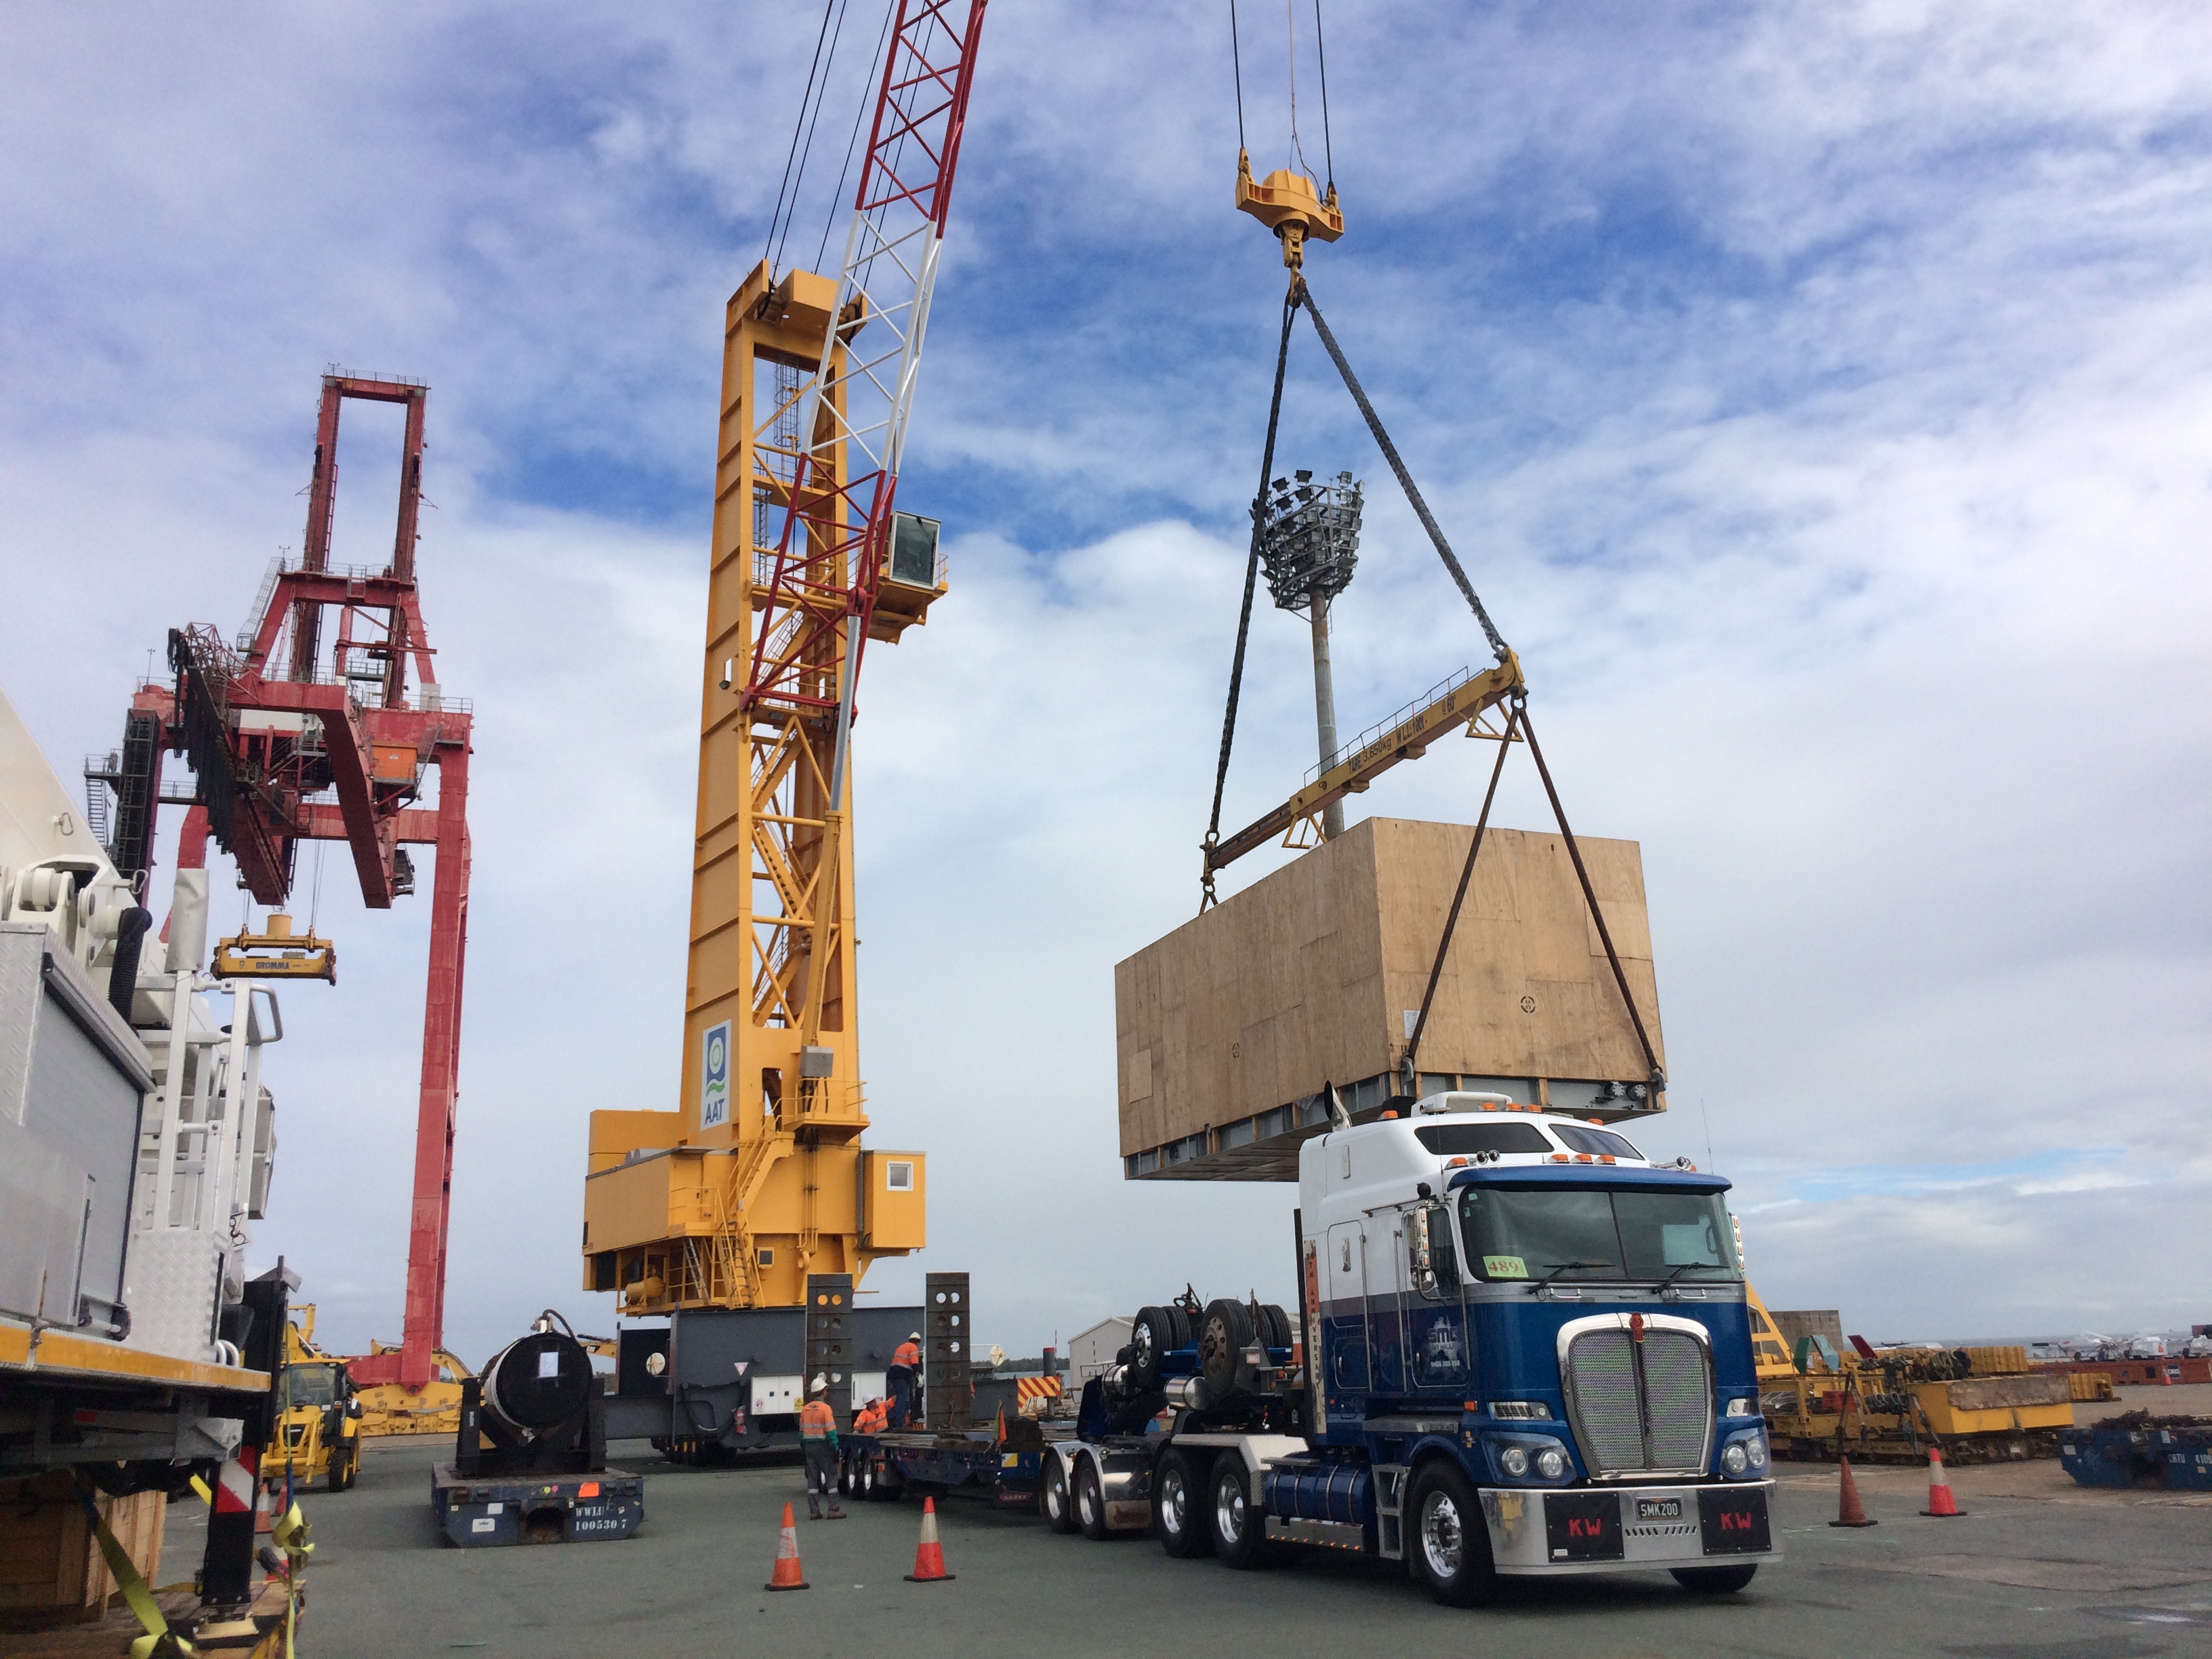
1819,401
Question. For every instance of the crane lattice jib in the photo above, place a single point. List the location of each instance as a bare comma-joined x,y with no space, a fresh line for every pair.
813,610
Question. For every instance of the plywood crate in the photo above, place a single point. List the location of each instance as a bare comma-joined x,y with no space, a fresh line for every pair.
50,1560
1228,1029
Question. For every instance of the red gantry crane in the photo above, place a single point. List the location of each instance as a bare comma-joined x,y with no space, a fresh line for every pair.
297,732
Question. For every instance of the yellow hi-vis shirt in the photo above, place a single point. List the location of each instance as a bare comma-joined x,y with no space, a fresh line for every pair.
816,1420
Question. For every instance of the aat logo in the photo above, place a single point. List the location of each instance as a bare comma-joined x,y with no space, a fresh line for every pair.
714,1076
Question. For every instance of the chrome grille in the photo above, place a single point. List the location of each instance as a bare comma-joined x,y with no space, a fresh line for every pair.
1676,1399
1601,1373
1663,1427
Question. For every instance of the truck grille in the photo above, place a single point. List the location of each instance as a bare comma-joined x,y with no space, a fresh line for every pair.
1655,1418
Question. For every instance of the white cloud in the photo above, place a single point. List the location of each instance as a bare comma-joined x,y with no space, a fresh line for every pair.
1819,401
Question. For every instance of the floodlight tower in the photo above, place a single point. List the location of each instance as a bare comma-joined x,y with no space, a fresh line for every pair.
1309,545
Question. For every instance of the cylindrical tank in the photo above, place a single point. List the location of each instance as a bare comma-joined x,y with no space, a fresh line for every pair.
1339,1492
537,1384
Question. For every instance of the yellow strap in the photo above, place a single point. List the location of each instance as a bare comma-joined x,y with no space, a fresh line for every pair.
135,1596
290,1535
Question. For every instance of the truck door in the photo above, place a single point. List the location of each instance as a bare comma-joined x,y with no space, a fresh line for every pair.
1345,1311
1384,1238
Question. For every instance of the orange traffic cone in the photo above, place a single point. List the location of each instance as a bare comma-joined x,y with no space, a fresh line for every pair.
787,1575
1941,1504
1848,1511
928,1558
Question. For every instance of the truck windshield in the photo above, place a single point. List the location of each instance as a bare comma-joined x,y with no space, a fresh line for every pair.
310,1385
1587,1233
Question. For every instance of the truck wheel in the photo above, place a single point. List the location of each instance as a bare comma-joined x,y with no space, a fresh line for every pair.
1091,1503
1448,1540
1714,1581
1154,1334
1059,1501
1223,1333
1179,1507
1240,1529
1278,1335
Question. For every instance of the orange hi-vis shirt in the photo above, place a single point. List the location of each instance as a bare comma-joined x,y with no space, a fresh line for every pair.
816,1420
907,1355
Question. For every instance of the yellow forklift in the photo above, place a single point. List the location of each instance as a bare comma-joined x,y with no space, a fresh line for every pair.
317,1436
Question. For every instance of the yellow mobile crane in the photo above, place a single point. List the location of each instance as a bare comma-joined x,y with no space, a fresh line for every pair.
758,1179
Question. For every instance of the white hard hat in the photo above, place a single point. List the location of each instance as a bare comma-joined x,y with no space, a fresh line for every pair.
820,1385
914,1336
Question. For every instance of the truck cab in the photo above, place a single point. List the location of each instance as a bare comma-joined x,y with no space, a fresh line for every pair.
1536,1343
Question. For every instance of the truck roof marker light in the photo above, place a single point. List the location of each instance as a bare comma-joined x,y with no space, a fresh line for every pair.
1584,1157
1387,1116
1455,1163
1606,1158
1599,1122
1558,1157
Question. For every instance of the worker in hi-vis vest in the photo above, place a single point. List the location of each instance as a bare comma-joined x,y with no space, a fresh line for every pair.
818,1436
906,1371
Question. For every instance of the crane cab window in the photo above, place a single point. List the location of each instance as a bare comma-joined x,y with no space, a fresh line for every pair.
1447,1140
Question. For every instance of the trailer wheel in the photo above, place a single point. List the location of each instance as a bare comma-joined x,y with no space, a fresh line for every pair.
1240,1528
1059,1502
1451,1541
1223,1333
1091,1503
1278,1333
1714,1581
1179,1507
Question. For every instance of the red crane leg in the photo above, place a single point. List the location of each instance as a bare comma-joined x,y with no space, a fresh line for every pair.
441,1054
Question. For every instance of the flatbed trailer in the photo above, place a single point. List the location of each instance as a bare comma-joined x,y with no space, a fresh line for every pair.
476,1510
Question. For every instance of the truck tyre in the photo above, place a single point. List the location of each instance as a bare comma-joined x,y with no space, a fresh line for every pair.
1091,1503
1155,1332
1240,1526
1714,1581
1278,1335
1179,1504
1223,1333
1059,1502
1447,1539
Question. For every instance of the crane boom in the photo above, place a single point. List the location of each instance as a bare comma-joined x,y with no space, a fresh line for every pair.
764,1181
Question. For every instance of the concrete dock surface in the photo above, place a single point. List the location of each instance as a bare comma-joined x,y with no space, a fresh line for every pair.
2038,1569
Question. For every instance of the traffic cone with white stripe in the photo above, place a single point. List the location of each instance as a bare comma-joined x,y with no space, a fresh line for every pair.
786,1575
1941,1504
928,1558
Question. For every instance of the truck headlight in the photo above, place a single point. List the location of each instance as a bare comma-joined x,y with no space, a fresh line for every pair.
1514,1460
1734,1459
1756,1445
1551,1462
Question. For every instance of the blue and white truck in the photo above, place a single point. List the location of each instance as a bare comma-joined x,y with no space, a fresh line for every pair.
1528,1355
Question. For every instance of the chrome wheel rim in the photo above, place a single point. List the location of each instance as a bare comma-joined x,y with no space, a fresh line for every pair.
1229,1509
1087,1496
1175,1501
1444,1544
1055,1495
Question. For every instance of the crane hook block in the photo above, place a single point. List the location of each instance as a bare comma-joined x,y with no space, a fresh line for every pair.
1288,204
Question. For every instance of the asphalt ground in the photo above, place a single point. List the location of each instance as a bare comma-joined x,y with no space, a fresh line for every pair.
2037,1567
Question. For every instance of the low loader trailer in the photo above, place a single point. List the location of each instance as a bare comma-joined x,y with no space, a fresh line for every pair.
1528,1354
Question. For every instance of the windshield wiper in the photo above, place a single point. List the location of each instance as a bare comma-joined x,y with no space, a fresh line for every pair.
1558,1267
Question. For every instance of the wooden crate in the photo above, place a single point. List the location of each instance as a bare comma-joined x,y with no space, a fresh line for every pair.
50,1560
1228,1029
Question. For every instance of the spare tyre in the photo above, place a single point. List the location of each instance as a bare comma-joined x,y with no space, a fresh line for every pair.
1223,1333
1278,1335
1151,1335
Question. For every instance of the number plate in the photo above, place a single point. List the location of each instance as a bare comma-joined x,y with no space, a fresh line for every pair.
1658,1509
